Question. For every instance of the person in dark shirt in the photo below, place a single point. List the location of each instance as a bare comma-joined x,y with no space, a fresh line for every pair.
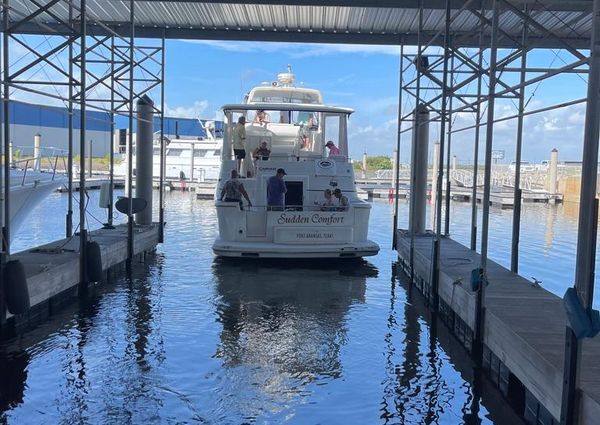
275,190
233,190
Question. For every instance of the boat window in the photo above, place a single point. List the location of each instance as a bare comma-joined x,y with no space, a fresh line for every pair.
174,152
332,129
217,152
199,153
156,151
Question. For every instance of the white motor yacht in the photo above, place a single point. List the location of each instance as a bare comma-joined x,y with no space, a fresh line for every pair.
185,157
296,126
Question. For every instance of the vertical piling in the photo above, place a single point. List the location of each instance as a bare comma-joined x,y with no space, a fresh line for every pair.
90,158
364,165
588,224
4,183
449,95
37,144
418,190
553,171
144,151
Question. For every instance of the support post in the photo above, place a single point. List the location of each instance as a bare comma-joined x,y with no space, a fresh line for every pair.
588,223
476,145
6,113
394,166
82,133
364,165
449,150
480,311
144,150
6,141
130,139
111,187
397,159
69,218
434,182
161,211
516,223
437,241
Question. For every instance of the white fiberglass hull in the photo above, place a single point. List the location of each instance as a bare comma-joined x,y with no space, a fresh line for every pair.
274,250
28,193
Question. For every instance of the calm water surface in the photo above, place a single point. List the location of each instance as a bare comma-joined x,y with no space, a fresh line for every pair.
192,339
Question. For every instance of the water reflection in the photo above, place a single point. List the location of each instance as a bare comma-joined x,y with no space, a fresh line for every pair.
13,375
282,330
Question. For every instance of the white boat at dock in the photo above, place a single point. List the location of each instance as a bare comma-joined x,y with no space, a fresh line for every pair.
190,158
296,129
31,183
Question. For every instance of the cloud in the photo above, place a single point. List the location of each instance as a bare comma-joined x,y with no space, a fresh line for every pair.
196,110
304,50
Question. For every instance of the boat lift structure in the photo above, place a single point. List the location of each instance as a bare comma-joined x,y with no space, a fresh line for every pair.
457,57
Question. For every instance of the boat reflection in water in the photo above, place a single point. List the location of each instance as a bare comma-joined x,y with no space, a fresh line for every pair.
281,330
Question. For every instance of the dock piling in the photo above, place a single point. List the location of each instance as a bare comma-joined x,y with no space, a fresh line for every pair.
143,158
418,190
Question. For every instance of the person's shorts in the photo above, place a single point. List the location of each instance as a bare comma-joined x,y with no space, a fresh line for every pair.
239,153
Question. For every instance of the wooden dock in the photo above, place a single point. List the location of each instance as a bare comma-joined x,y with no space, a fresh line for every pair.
52,270
524,329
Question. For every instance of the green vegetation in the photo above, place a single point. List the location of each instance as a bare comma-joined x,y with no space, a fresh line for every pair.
375,163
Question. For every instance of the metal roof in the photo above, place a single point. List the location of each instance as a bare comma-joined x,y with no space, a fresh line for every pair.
326,21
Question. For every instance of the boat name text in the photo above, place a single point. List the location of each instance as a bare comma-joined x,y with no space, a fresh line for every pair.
285,218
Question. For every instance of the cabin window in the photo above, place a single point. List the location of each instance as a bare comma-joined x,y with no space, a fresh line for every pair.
218,152
200,153
156,151
174,152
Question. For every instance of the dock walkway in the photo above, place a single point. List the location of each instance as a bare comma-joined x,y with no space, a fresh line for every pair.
52,270
524,328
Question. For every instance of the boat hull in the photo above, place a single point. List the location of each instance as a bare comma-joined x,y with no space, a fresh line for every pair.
274,250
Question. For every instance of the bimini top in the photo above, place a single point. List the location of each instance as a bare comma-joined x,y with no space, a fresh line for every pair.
307,107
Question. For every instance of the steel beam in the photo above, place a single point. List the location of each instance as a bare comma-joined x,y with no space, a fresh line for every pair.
398,143
82,133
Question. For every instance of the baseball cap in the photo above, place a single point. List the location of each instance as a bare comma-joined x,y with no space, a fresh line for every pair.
281,171
329,143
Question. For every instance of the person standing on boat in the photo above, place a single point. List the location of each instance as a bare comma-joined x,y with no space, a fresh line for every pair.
233,189
276,188
262,152
333,149
239,141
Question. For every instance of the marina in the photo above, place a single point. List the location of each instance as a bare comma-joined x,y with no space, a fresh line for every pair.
248,270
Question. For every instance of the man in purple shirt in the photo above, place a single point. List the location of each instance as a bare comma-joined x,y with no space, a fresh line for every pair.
275,190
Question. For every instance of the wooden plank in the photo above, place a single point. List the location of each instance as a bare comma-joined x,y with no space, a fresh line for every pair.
524,324
54,268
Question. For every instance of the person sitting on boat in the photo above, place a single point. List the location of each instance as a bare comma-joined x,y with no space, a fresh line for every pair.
239,141
262,118
333,149
327,204
276,188
233,189
340,201
262,152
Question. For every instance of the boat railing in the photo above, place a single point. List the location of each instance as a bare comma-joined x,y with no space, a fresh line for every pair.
45,155
287,208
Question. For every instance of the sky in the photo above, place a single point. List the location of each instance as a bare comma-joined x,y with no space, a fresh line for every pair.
201,76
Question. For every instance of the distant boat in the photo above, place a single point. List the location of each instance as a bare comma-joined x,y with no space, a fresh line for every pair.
191,158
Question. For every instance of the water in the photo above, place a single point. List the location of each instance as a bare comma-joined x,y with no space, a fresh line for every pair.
193,339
